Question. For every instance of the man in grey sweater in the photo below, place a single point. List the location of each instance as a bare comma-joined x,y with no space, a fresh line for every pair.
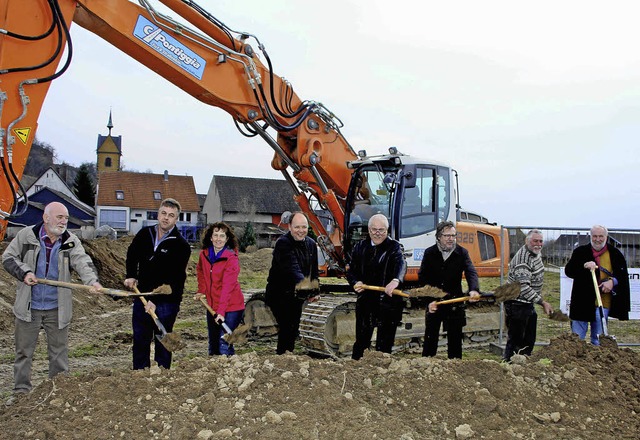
526,268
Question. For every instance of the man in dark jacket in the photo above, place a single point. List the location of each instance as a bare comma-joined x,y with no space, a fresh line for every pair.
442,266
295,257
157,255
377,261
613,281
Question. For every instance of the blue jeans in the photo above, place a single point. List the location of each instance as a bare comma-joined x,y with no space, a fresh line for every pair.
217,344
144,330
580,327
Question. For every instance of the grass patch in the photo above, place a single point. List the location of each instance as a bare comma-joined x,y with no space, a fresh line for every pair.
85,351
199,325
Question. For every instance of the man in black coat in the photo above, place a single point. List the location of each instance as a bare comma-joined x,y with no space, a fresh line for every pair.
442,266
612,277
377,261
295,257
157,255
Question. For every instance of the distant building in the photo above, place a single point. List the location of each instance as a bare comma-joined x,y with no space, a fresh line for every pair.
81,216
50,179
129,201
109,151
238,200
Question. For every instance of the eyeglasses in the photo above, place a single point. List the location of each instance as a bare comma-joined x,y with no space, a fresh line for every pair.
378,231
449,235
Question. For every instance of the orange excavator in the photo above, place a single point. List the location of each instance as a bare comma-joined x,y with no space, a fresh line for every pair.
338,188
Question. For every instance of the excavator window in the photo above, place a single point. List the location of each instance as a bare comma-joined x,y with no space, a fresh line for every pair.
418,214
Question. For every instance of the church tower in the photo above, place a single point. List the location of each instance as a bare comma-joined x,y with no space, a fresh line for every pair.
109,151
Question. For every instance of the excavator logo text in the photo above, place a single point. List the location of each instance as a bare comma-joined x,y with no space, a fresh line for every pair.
169,47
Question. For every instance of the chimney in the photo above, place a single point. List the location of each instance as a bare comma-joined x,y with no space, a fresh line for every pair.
166,175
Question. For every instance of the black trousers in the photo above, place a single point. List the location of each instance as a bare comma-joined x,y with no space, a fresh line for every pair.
453,319
287,314
521,319
372,314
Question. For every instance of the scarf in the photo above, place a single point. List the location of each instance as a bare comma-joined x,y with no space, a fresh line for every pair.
597,254
212,254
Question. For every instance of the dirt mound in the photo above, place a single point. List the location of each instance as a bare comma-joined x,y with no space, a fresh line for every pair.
568,390
381,396
257,261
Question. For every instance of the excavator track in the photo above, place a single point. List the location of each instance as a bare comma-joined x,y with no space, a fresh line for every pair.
327,326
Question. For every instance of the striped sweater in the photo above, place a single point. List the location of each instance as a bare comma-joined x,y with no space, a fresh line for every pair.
527,269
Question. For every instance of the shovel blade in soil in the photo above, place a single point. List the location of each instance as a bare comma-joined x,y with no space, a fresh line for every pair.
171,341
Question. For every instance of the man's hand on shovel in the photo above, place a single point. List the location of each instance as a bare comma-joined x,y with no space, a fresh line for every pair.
474,296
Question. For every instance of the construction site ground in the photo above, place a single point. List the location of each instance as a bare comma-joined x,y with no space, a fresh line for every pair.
566,390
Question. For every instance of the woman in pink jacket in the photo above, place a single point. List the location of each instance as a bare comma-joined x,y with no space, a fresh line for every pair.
218,269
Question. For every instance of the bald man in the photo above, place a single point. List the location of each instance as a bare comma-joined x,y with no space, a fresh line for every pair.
47,251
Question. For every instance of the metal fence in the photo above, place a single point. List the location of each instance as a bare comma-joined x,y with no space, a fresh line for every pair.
559,243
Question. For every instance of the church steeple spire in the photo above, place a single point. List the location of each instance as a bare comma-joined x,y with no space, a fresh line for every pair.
110,123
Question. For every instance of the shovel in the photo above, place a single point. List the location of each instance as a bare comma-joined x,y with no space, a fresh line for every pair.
237,336
503,293
170,341
105,290
603,320
381,289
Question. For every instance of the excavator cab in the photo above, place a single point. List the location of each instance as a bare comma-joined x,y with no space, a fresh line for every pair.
415,196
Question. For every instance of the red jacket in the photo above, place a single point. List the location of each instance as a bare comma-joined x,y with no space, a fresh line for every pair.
219,281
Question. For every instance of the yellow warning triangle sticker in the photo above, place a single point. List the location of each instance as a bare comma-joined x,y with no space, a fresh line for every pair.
22,133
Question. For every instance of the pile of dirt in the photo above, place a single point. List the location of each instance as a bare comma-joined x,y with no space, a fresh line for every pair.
381,396
568,390
257,261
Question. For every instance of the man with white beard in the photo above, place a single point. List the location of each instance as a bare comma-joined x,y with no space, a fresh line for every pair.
45,251
613,281
526,268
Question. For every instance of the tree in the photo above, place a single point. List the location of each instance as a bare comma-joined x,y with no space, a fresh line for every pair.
248,237
83,186
41,157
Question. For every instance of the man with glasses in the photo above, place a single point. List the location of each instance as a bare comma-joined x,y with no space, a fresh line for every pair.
376,261
442,266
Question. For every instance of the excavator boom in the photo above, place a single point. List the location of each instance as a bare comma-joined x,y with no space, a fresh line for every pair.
201,56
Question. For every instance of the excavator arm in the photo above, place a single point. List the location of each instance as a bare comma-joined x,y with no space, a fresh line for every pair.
199,54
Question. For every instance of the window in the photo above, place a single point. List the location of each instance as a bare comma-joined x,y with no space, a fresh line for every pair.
107,162
157,195
115,218
418,210
185,217
38,187
152,215
119,195
487,246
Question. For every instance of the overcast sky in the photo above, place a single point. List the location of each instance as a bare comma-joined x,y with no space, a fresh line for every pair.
536,104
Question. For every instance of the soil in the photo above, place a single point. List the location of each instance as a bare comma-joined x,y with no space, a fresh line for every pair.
566,390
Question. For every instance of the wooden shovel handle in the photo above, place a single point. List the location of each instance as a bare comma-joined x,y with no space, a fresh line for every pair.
105,290
454,300
203,300
465,298
144,302
596,287
381,289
